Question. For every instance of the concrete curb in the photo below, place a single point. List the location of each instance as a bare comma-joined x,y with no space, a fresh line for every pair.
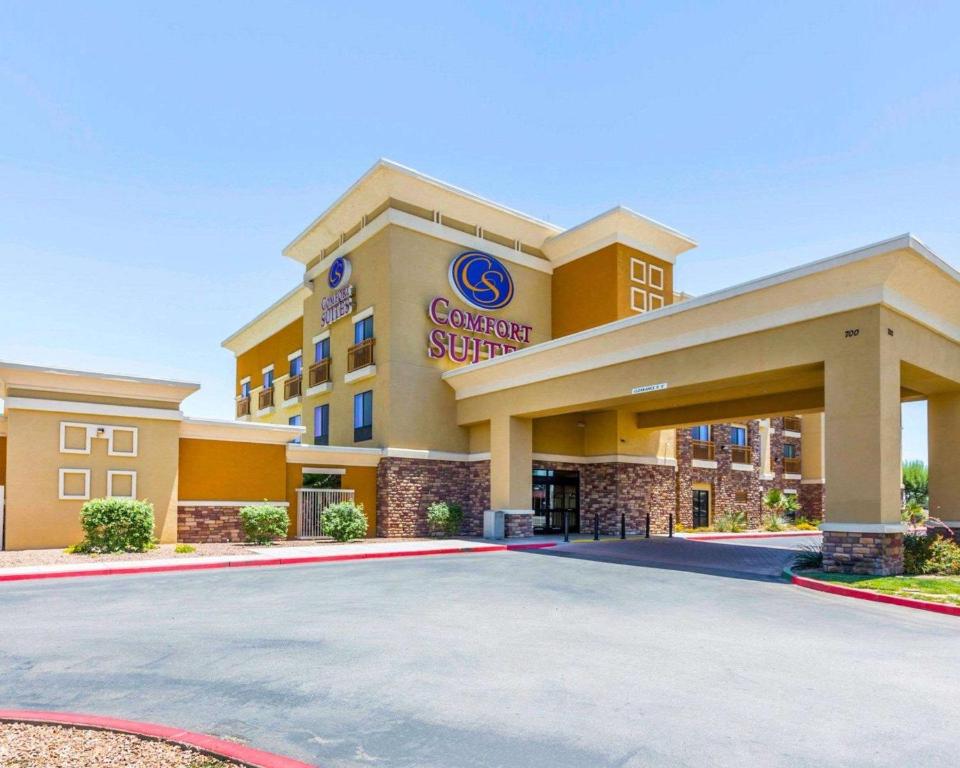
721,536
833,588
199,565
227,750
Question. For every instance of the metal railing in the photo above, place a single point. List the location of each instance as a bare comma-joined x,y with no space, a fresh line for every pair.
319,373
791,466
243,406
741,454
702,449
360,355
792,424
310,505
292,387
265,399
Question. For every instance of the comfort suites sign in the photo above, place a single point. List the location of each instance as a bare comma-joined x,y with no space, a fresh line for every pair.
339,303
464,336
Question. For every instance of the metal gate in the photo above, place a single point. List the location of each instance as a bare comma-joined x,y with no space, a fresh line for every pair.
310,505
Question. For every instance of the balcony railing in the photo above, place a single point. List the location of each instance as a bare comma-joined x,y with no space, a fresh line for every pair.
265,399
292,387
791,466
360,355
319,373
741,454
791,424
243,406
702,449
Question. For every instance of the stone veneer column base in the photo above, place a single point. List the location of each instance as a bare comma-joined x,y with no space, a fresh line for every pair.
863,552
517,526
209,525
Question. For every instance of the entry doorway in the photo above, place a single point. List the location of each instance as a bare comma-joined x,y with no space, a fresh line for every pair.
556,491
701,508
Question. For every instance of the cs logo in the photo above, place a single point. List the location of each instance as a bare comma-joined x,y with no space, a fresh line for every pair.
339,272
481,280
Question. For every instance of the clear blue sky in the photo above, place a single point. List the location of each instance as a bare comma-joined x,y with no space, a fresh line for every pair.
154,161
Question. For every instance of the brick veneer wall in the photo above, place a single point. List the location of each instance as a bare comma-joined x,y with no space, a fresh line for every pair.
879,554
812,500
517,526
406,487
209,525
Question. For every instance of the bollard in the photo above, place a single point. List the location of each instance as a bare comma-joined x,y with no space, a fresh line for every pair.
623,526
566,526
670,526
646,530
596,527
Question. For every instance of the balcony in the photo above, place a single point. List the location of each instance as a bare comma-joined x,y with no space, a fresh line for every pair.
265,398
292,387
791,466
243,406
360,355
741,454
791,424
319,373
702,449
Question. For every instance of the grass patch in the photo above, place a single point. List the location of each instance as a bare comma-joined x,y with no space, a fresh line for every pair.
935,589
184,549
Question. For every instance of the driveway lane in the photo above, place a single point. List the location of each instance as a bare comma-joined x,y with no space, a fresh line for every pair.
505,659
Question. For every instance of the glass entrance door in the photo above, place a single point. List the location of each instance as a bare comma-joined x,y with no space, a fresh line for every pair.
701,509
555,490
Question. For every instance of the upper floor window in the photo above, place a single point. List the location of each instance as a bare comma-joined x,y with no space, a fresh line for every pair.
363,416
268,378
363,329
245,388
321,425
701,433
738,436
789,451
296,365
321,350
295,421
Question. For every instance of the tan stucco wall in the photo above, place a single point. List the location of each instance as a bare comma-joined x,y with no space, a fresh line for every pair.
3,459
272,350
221,470
36,518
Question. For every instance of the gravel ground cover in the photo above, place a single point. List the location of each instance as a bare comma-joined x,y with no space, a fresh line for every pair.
23,745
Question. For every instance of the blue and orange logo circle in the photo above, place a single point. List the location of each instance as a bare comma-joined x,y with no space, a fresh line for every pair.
339,271
481,280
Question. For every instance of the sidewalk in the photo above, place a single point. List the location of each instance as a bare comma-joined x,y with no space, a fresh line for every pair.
269,556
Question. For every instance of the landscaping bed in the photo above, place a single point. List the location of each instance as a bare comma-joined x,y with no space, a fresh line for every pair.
934,589
25,745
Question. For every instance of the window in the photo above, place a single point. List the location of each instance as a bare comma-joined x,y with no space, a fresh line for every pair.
268,379
121,484
296,365
74,483
245,388
738,436
789,451
363,416
363,329
295,421
321,425
321,350
701,433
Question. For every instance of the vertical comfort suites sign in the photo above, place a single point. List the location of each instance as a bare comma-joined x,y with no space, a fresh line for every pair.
462,336
339,303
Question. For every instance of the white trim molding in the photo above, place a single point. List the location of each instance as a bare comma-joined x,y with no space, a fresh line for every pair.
321,336
792,476
132,474
333,454
613,458
360,374
259,503
742,467
864,527
93,409
104,431
323,470
238,431
294,355
363,314
320,389
416,453
61,476
703,463
791,433
813,481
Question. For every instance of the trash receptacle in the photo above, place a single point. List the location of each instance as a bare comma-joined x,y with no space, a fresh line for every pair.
493,524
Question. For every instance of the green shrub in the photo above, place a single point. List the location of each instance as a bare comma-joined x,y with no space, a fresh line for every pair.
262,524
445,516
184,549
944,557
783,505
916,481
809,557
344,521
913,513
916,553
116,525
773,522
803,524
731,522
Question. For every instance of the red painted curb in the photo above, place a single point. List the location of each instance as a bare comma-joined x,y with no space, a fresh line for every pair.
273,561
875,597
228,750
721,536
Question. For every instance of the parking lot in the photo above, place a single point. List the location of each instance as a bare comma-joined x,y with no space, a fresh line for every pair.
610,654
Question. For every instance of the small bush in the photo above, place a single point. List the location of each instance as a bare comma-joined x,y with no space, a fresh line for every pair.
913,513
116,525
445,516
344,521
916,553
184,549
810,557
803,524
944,557
262,524
773,522
731,522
